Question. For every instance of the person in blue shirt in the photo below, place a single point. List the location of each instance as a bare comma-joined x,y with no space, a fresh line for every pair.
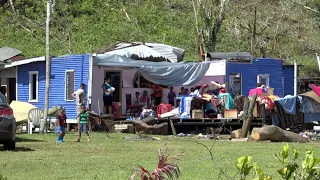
107,96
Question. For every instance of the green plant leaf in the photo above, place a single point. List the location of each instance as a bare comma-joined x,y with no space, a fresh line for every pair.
295,154
285,151
241,162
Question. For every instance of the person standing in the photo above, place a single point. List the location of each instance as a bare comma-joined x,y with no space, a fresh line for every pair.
181,93
107,96
80,97
171,96
60,124
158,93
3,90
83,122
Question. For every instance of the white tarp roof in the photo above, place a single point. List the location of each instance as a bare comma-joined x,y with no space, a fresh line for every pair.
164,73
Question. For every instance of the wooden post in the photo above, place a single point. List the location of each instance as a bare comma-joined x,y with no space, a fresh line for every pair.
172,127
263,109
46,104
247,120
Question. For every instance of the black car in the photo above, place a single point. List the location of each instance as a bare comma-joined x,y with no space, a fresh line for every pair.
7,125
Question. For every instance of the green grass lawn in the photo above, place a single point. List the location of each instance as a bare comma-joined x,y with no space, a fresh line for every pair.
113,157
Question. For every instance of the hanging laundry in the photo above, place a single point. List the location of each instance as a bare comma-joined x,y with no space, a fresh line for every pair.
227,100
315,88
185,106
289,104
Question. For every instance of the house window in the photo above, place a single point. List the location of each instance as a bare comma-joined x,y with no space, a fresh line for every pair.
33,86
263,79
235,84
69,85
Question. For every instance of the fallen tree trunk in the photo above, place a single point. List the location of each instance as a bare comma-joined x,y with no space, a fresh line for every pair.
101,122
276,134
141,127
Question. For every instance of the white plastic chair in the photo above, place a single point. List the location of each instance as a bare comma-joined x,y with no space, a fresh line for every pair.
34,119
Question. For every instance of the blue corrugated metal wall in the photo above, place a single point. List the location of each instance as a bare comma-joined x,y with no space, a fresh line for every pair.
23,82
288,75
249,73
59,65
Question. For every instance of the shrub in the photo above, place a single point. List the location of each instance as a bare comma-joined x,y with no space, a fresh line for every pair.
165,168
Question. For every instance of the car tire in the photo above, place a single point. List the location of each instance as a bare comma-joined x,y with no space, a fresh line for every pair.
9,146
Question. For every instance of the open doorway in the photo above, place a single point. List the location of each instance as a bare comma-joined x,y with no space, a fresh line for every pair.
11,89
235,84
116,82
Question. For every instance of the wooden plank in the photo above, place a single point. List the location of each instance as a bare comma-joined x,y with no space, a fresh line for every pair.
172,127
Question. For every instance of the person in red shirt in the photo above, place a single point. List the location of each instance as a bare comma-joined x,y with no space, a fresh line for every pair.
158,93
60,124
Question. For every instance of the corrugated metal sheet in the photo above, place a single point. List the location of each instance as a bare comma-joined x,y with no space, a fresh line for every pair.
141,51
288,78
146,50
59,65
230,55
7,53
23,82
174,54
260,66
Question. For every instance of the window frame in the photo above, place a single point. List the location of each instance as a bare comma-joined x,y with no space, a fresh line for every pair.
31,73
66,95
266,76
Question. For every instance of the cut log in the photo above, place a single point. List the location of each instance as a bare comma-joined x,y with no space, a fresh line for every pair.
237,134
141,127
103,122
239,140
276,134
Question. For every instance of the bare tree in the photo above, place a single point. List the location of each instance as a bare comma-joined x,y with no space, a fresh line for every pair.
48,74
212,13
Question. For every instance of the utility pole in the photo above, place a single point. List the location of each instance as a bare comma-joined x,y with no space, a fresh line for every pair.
48,74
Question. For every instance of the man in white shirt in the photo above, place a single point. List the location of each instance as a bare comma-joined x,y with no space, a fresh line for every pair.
80,97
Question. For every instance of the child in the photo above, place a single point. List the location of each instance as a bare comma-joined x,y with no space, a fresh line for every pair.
136,100
60,124
82,122
171,96
181,93
152,101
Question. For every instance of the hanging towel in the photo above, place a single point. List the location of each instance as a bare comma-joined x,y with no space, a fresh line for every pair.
227,100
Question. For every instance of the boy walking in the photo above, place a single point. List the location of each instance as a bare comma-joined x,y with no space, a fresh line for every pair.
83,120
60,124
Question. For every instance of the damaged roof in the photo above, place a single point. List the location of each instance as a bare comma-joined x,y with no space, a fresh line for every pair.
6,53
145,51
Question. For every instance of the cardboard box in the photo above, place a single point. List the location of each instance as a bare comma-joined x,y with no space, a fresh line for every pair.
231,113
197,114
269,92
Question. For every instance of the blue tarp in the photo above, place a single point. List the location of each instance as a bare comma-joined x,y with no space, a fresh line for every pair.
289,104
164,73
